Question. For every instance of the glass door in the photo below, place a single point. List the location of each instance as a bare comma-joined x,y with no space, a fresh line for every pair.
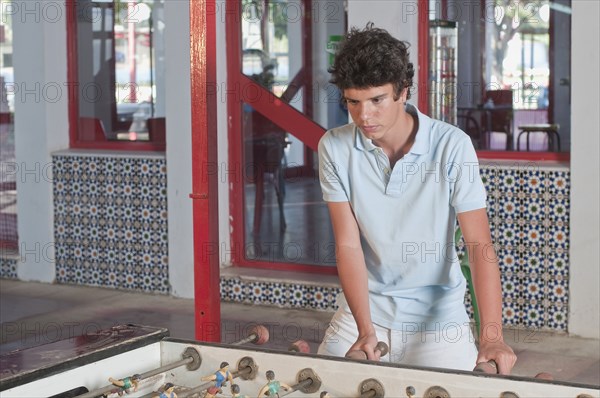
278,59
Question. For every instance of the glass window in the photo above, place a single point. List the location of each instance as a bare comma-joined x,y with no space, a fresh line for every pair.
120,71
287,55
512,71
8,164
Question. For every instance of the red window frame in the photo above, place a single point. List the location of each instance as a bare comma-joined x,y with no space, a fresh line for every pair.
100,142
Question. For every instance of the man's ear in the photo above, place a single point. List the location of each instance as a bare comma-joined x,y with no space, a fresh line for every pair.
402,96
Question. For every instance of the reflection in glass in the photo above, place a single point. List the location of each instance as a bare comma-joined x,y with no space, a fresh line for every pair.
526,50
286,219
8,166
121,69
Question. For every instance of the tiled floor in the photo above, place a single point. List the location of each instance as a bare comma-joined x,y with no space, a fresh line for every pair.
33,314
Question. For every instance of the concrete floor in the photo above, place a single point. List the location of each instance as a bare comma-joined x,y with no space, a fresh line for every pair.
33,314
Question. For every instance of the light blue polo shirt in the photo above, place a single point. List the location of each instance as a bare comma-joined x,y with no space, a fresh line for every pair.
406,217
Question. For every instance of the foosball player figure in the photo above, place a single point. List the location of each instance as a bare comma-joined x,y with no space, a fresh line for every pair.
220,378
271,389
126,384
167,392
235,392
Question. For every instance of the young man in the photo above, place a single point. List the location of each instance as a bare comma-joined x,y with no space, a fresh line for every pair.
396,181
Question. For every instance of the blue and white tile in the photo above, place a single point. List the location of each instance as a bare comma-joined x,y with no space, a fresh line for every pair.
278,296
558,210
511,313
297,296
558,263
8,268
508,180
558,290
557,237
533,181
532,234
509,206
534,315
507,260
557,317
533,208
559,183
533,290
508,234
533,261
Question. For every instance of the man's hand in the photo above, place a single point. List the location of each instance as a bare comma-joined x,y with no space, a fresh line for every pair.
500,352
367,344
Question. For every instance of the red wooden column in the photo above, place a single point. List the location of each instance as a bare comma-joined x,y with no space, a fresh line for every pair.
204,160
423,56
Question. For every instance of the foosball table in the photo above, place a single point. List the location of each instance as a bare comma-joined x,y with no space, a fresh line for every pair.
142,361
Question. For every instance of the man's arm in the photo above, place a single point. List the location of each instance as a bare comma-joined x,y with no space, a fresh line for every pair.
352,272
486,281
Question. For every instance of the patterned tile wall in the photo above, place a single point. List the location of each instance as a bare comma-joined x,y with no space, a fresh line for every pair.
110,222
111,230
280,294
8,267
528,209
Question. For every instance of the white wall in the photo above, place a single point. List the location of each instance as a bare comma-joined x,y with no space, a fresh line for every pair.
41,123
584,316
397,17
179,148
179,145
222,141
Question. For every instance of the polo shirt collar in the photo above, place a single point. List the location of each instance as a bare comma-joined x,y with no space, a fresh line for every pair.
422,140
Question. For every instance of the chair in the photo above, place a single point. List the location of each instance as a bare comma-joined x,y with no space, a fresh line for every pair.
265,145
498,115
551,130
470,125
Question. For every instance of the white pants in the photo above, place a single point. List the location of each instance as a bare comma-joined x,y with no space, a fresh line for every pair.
450,346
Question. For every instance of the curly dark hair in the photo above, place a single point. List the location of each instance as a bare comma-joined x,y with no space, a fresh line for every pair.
371,58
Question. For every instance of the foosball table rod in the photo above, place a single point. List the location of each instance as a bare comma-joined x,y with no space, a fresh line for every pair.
371,388
247,370
308,383
190,358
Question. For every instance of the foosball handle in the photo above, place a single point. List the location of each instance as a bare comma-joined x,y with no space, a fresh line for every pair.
258,335
544,376
360,354
382,348
489,367
299,346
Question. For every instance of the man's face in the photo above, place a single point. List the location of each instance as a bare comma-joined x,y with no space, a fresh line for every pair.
374,110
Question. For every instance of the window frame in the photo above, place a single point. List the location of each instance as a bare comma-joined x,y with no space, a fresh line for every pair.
73,98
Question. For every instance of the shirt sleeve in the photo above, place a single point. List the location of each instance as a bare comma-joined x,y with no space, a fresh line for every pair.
467,189
329,173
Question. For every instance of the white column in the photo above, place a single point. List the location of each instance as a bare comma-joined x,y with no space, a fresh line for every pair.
179,147
399,18
222,139
584,301
159,27
41,127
